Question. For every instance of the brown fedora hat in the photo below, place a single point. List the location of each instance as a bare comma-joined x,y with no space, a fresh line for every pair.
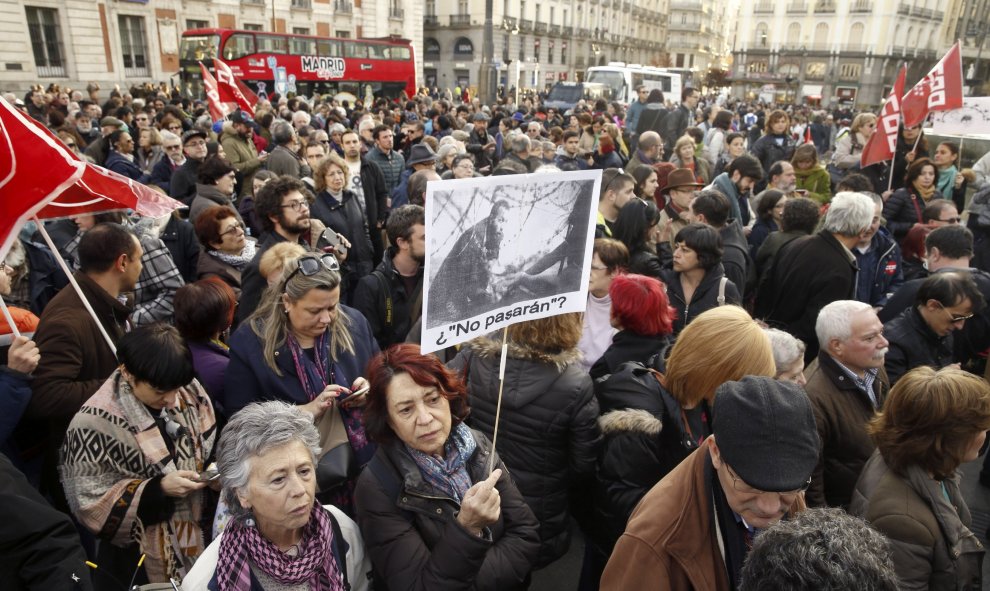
682,177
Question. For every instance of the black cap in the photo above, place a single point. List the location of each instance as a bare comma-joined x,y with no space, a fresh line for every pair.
240,116
765,431
191,134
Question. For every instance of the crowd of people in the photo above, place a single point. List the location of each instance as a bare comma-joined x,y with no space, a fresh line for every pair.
781,363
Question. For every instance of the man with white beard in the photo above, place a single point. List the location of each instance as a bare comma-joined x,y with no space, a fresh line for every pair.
847,385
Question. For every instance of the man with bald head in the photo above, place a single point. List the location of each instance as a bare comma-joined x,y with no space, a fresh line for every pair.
650,151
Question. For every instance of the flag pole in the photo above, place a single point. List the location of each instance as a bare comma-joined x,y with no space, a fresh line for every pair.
9,318
498,404
75,285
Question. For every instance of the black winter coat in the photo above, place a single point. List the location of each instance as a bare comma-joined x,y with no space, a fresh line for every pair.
772,148
705,296
180,239
644,439
913,344
628,346
644,262
346,218
902,211
807,274
389,325
414,539
549,431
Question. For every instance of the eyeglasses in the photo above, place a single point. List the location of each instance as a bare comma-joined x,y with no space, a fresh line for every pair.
740,486
195,144
175,147
296,205
235,229
954,220
954,319
310,265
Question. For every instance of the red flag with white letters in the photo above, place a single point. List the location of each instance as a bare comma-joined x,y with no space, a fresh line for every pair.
940,90
218,109
883,143
233,90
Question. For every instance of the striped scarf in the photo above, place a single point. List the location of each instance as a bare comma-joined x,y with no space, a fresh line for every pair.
243,545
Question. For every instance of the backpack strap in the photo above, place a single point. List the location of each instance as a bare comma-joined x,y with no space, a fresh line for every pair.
721,290
339,552
387,290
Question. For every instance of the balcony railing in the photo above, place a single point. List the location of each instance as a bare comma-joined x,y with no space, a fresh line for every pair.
431,20
861,6
136,72
304,4
525,25
904,10
685,5
343,6
797,8
460,20
540,28
684,26
763,8
396,13
252,1
555,30
568,31
50,71
824,8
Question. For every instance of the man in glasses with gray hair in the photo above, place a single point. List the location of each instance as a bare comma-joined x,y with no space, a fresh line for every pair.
695,527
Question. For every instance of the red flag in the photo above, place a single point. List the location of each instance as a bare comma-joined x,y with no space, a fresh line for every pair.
883,143
218,109
940,90
40,177
232,90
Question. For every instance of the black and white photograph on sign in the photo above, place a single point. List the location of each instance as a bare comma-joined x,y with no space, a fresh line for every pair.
498,242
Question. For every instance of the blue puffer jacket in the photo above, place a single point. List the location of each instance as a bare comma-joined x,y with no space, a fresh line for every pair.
249,379
881,271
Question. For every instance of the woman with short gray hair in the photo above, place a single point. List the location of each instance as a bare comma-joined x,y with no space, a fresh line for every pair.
788,356
280,536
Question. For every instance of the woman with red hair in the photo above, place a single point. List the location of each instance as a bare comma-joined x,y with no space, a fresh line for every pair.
642,314
431,515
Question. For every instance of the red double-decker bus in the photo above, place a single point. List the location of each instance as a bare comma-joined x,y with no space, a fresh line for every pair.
302,64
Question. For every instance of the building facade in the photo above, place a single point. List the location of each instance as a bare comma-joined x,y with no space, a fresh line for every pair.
826,52
697,38
539,42
73,42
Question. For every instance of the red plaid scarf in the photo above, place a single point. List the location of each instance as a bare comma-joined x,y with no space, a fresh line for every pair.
243,545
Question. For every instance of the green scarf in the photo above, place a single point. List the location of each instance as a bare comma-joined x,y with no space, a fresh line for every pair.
947,181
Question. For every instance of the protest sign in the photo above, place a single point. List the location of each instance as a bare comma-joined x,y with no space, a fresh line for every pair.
505,249
973,118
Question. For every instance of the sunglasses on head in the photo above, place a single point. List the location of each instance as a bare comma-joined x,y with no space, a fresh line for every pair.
310,265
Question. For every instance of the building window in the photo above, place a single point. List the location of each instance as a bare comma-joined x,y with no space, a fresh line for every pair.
431,10
251,27
46,41
300,30
431,49
195,24
343,34
462,7
133,45
850,71
463,48
758,68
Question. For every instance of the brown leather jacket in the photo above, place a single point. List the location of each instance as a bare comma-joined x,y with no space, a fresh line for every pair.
669,541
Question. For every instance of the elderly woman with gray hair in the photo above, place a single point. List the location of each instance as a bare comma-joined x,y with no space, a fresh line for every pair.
788,356
280,536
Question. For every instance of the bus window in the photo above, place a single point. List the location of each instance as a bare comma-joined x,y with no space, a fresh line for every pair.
271,44
199,47
612,80
355,50
302,46
238,46
637,80
378,52
328,48
401,53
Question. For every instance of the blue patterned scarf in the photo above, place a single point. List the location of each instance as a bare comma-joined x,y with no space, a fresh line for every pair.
449,474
